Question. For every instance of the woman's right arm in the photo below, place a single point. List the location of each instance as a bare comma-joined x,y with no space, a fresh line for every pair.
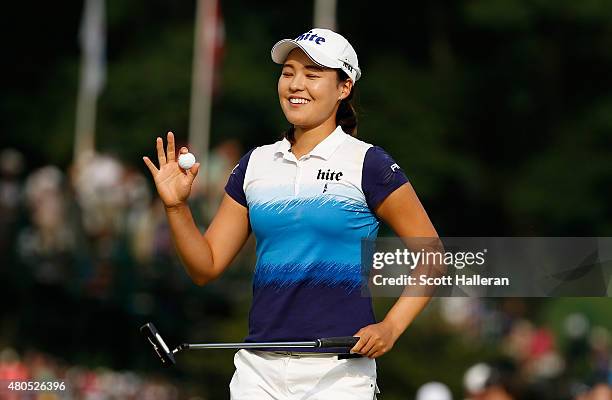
206,256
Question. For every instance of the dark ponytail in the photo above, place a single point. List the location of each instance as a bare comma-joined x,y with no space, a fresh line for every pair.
346,116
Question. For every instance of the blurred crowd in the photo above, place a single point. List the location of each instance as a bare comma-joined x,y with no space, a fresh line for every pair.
90,213
532,362
87,250
89,246
78,382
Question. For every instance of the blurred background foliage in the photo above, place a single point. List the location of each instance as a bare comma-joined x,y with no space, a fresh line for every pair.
499,111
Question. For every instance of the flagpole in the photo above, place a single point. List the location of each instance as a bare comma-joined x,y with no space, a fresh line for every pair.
325,14
92,42
202,83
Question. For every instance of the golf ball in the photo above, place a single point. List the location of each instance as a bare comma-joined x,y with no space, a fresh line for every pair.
186,160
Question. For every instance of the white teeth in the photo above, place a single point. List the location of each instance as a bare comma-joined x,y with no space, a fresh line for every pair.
298,101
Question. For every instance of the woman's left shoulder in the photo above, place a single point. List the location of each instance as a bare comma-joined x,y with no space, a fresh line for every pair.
377,156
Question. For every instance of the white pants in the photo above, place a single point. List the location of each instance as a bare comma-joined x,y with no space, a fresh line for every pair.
263,375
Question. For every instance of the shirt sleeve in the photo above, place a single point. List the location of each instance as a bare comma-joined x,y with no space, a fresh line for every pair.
380,176
235,183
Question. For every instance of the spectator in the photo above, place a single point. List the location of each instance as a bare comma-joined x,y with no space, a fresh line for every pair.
434,391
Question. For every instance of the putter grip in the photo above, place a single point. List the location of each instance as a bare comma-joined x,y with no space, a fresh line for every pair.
341,341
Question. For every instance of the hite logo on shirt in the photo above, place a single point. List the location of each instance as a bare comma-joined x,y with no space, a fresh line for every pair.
329,175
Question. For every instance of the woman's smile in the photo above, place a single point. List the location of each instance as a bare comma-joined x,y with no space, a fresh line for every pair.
298,101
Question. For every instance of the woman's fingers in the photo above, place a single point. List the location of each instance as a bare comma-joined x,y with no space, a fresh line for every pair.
193,171
161,156
361,343
376,354
369,346
151,166
375,351
373,341
170,148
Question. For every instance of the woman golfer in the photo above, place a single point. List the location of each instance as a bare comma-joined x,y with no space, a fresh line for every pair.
310,199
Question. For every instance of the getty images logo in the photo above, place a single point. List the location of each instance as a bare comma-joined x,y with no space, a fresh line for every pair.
311,37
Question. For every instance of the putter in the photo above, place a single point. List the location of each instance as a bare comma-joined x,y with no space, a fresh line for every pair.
167,356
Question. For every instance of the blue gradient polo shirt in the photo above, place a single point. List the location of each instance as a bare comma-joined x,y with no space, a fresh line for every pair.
308,217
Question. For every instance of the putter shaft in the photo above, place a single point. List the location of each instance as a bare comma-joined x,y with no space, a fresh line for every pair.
288,345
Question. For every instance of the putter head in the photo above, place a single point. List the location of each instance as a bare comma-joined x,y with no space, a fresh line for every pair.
163,351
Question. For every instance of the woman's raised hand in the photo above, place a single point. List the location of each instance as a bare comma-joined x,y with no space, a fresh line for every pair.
172,182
